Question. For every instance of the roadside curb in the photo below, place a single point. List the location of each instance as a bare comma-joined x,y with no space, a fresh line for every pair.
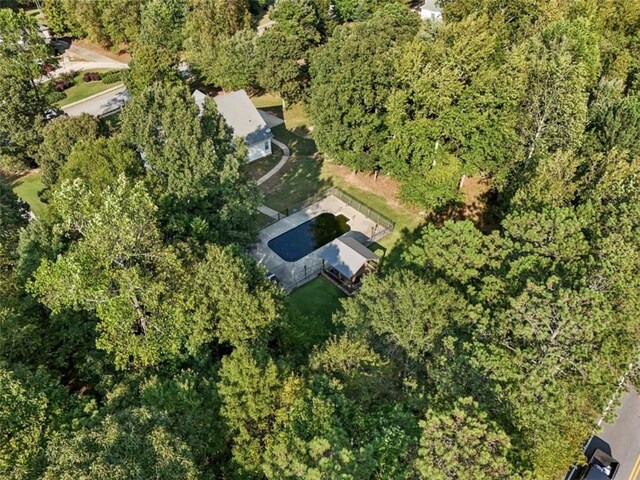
96,95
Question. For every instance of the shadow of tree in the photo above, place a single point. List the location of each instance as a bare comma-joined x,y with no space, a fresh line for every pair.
276,110
301,177
483,212
393,258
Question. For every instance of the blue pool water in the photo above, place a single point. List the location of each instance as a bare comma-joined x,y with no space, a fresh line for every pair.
309,236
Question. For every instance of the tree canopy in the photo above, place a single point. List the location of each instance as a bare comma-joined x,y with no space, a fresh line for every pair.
26,102
140,339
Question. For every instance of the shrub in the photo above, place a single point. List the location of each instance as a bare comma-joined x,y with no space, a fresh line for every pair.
48,68
112,77
61,83
91,77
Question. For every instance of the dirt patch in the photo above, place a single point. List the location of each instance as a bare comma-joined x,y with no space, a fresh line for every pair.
478,205
10,177
384,186
475,190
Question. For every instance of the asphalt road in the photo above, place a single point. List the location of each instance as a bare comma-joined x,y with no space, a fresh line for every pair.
99,104
623,436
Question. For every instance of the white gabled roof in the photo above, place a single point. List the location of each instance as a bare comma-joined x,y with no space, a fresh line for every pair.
240,114
347,255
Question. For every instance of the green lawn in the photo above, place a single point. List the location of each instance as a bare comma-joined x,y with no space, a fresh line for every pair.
301,176
305,175
312,306
294,117
27,188
81,89
259,167
263,221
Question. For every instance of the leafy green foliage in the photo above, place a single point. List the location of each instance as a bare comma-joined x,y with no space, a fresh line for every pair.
209,27
59,138
195,174
451,112
283,49
138,340
350,86
119,270
13,217
461,444
129,444
32,408
99,163
156,52
25,101
236,64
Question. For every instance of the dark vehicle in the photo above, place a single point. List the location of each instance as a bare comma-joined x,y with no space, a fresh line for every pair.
601,467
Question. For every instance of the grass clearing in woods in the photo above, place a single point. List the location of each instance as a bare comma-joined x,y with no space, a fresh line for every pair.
27,188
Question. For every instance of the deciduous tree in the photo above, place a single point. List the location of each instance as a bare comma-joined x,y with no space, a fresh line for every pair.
195,173
350,86
156,52
25,101
58,139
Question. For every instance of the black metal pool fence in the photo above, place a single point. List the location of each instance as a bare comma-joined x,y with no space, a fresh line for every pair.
312,269
383,224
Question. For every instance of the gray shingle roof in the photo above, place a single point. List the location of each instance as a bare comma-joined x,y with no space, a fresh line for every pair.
347,255
240,114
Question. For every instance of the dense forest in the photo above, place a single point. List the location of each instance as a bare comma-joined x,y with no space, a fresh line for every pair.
138,340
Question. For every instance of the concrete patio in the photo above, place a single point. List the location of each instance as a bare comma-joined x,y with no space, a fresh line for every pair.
294,274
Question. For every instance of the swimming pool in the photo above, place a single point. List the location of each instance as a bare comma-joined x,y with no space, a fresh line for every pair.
309,236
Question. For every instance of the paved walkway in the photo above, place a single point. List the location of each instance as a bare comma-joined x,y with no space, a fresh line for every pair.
286,153
269,212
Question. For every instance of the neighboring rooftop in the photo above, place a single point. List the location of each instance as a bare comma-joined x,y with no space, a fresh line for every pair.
432,6
347,255
240,114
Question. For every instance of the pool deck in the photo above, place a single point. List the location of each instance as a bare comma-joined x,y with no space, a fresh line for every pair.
292,274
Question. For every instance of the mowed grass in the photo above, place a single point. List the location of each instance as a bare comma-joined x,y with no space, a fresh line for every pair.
27,188
263,221
312,307
261,166
306,175
300,178
82,89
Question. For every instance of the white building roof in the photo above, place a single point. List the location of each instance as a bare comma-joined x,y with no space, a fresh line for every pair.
347,255
240,114
431,6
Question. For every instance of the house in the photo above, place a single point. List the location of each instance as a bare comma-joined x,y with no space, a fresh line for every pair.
431,11
345,261
244,119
